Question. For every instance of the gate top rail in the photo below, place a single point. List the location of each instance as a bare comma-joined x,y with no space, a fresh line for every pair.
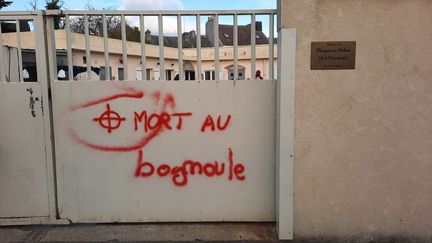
18,13
160,12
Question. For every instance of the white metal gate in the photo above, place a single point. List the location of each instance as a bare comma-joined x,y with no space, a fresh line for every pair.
26,172
135,150
161,150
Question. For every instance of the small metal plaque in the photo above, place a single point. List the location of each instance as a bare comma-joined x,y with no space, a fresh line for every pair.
333,55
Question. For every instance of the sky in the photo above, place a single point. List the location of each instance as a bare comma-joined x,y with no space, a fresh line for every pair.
169,23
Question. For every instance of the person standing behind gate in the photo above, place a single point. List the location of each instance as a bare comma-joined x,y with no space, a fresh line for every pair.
258,75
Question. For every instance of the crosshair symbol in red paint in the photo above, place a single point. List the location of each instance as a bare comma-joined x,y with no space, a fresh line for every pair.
109,120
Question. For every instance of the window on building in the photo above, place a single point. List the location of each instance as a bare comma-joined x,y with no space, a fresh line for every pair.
148,73
139,74
102,73
84,60
241,74
168,74
209,75
120,73
156,75
189,75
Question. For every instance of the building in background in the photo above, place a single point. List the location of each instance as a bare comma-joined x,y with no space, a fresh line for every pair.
189,45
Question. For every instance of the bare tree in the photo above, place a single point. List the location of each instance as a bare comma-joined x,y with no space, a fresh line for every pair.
95,23
4,3
33,4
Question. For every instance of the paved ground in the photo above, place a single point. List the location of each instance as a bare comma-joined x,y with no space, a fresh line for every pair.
141,232
185,232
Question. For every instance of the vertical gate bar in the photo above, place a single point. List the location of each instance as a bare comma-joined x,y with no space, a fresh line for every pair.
271,47
51,43
20,61
42,49
198,43
143,50
87,44
161,49
235,44
180,46
216,45
69,47
106,50
253,47
2,73
124,47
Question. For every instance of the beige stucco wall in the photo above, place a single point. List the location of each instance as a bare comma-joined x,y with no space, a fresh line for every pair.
363,137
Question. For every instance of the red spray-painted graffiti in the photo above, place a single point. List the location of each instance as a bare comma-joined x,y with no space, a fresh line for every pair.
131,94
179,174
155,120
168,101
209,122
152,124
110,120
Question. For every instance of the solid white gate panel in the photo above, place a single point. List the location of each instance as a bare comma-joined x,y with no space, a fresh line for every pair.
23,175
140,151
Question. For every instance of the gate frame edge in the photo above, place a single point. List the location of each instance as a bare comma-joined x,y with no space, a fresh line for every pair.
44,77
285,97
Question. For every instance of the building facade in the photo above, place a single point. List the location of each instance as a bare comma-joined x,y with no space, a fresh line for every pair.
171,65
